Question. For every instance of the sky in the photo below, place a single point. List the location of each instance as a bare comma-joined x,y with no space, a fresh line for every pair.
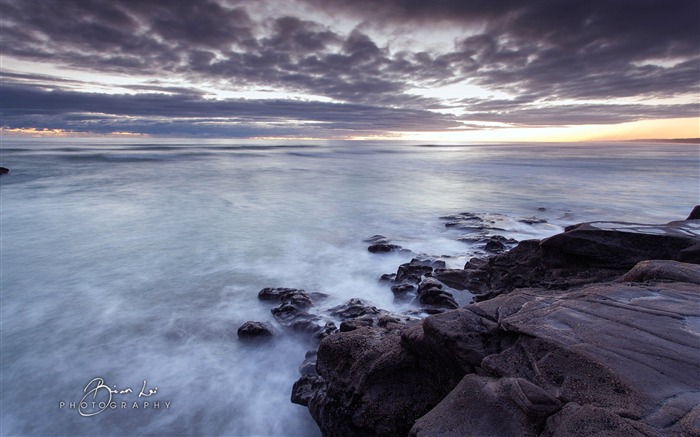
441,70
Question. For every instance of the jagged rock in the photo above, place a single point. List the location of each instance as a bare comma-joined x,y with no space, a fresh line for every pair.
695,213
251,329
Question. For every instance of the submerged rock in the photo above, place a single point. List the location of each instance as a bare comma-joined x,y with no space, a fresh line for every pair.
381,244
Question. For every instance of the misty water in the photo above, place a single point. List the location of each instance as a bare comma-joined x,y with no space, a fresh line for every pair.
137,261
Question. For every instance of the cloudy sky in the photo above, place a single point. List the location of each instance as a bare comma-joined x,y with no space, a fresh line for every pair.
441,70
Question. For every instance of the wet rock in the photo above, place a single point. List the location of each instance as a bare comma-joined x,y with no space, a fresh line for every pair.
411,273
532,220
296,318
694,214
494,246
296,296
585,253
437,298
250,330
353,308
381,244
308,366
527,363
622,245
453,278
4,170
401,290
663,270
352,324
387,277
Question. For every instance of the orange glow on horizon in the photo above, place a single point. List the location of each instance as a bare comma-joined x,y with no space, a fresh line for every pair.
643,129
55,132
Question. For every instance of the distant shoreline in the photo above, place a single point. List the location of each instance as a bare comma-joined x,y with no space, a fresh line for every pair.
666,140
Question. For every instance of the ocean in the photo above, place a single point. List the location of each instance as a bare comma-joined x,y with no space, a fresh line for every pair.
126,266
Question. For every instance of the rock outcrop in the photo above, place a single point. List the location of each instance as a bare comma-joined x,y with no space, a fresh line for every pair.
583,254
591,332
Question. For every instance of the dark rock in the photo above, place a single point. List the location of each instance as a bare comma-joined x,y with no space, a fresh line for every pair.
352,324
381,244
388,277
663,270
610,356
296,318
465,216
493,407
586,253
368,384
453,278
328,329
4,170
290,295
532,220
437,298
400,290
695,213
384,248
251,329
352,309
430,292
275,294
411,273
308,366
428,261
602,244
495,246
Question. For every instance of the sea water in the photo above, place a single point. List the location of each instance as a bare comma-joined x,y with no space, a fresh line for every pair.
127,266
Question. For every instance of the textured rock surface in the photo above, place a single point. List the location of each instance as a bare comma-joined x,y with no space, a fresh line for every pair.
621,357
585,253
566,341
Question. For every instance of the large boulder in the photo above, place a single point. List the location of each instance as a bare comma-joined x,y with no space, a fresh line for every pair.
367,384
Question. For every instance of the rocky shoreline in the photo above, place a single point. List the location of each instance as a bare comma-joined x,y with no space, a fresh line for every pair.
593,331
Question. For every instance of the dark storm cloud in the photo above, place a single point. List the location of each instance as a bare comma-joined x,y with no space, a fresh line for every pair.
506,111
540,51
559,48
148,113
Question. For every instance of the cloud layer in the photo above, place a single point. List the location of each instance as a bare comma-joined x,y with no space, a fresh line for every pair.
345,67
